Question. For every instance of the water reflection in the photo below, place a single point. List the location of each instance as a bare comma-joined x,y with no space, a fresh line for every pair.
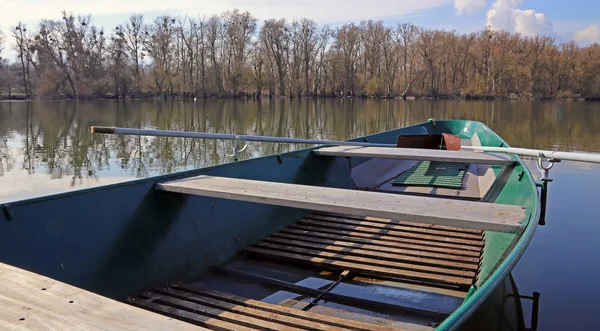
52,139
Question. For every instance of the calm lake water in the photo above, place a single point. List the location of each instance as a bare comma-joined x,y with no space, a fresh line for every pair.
46,147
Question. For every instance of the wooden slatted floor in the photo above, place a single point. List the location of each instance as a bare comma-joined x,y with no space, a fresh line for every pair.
222,311
437,256
433,255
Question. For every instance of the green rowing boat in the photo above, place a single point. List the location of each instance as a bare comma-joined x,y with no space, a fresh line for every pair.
404,229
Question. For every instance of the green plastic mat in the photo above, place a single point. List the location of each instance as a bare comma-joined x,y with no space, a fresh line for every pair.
433,174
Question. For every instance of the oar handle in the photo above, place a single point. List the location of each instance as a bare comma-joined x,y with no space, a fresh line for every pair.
103,129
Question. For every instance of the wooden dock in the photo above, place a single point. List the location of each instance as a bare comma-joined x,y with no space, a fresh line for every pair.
33,302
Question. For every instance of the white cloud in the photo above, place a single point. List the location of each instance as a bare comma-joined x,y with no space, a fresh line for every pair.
469,6
588,36
504,15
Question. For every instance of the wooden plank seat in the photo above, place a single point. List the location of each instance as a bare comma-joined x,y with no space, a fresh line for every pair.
222,311
447,212
378,248
416,154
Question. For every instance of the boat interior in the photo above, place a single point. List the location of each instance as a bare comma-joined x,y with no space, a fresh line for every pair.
331,270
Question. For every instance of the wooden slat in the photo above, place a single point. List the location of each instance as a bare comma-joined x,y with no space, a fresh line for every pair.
390,232
364,269
283,320
366,239
378,248
375,254
387,238
366,260
416,154
228,316
392,225
330,320
31,301
468,214
190,317
405,223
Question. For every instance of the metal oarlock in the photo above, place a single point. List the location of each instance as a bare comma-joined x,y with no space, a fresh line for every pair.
545,169
236,148
543,184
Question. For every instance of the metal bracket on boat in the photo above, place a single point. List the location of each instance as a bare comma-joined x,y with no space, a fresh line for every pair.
545,169
8,213
535,298
236,148
543,184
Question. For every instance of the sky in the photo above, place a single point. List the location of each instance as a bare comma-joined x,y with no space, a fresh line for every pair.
577,20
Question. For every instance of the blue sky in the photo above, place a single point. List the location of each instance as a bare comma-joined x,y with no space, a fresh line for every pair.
573,19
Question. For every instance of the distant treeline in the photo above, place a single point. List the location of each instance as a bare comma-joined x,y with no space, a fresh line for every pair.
231,55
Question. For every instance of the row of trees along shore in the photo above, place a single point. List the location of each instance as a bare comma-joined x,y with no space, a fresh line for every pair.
234,55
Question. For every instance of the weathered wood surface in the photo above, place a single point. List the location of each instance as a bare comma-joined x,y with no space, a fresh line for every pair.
448,212
333,262
33,302
376,252
223,311
416,154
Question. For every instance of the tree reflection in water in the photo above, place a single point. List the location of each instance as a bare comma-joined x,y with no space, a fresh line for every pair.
53,138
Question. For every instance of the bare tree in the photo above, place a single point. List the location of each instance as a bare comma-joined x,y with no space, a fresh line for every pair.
225,55
306,40
214,43
274,35
238,32
134,38
158,44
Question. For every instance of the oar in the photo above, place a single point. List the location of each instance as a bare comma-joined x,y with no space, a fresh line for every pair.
557,155
223,136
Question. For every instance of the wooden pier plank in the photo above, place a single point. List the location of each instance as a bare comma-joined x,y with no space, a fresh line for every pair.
417,154
32,301
467,214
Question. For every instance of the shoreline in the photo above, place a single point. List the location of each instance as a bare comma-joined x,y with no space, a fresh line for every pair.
252,97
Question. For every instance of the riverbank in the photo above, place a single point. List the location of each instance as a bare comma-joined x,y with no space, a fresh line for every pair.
254,96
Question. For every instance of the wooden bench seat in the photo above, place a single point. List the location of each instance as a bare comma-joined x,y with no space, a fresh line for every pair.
449,212
416,154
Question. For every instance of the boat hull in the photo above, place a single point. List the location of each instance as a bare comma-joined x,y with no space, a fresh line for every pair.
119,239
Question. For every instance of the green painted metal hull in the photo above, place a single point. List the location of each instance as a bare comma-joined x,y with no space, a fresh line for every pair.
119,239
